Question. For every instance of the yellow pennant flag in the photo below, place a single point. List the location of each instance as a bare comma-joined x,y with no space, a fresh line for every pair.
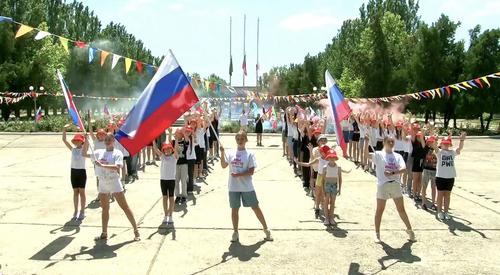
23,30
485,79
104,54
455,87
128,62
466,84
64,43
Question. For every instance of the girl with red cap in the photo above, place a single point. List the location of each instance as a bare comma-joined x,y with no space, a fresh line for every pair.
168,156
332,174
446,173
429,173
189,140
78,172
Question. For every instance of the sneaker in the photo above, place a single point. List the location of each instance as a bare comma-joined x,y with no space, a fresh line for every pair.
424,207
170,220
440,216
447,216
333,222
177,200
377,238
81,217
433,207
165,220
268,237
326,222
235,237
411,236
183,200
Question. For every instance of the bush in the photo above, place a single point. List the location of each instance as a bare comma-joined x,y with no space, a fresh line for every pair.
47,124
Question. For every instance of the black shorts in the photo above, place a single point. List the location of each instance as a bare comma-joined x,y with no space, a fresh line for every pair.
379,146
418,165
167,187
315,174
199,154
443,184
78,178
355,137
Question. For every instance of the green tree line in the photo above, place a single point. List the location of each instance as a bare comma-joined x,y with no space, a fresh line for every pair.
389,50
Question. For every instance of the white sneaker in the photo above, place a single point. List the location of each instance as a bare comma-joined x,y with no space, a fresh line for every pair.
268,237
440,216
165,220
326,222
377,238
447,216
235,237
170,220
411,235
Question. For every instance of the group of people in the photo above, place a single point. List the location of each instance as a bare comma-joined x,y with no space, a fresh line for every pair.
404,157
185,156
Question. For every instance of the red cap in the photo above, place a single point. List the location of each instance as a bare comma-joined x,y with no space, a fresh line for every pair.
324,149
331,155
446,140
78,137
166,146
431,139
316,131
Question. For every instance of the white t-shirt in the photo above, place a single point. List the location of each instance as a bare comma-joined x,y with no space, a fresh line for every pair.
445,166
373,136
289,129
362,130
240,162
409,146
77,160
99,144
108,157
295,132
190,154
399,145
331,172
321,165
387,162
200,137
315,154
243,120
168,167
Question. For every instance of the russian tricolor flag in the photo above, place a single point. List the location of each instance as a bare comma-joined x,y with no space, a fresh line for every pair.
73,112
167,96
340,109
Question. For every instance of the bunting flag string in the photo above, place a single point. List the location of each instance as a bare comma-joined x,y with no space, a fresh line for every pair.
92,51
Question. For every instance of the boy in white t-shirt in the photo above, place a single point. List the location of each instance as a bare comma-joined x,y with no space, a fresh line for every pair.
243,120
388,167
241,168
446,173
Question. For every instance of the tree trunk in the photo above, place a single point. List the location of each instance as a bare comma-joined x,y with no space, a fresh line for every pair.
434,116
455,121
17,112
446,119
488,120
426,116
482,123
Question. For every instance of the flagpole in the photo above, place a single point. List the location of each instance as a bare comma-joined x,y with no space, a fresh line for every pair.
244,40
230,61
257,65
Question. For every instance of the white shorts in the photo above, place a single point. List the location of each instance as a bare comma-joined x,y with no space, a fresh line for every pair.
389,190
110,186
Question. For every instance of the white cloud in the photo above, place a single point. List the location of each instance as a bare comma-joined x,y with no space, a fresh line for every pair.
134,5
176,7
309,20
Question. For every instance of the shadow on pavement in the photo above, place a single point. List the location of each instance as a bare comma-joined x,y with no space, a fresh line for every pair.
354,269
52,248
71,225
101,250
94,204
337,231
454,225
181,208
402,254
164,229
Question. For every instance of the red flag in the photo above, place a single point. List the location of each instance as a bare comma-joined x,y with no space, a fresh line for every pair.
139,66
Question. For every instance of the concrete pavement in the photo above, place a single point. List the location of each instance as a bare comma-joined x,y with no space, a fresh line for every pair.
36,237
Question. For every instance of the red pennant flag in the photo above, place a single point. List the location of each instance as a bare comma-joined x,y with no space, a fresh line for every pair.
479,82
80,44
139,66
448,90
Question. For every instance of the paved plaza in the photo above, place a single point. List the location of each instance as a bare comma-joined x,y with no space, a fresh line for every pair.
36,236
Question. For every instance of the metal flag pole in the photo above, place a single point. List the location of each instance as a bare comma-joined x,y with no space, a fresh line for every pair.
230,62
257,65
244,40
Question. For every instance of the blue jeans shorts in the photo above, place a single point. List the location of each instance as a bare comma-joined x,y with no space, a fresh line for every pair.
249,199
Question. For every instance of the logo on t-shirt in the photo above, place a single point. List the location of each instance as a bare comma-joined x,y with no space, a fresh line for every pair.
391,164
236,162
447,161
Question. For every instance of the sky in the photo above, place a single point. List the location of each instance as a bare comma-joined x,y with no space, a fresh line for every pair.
197,31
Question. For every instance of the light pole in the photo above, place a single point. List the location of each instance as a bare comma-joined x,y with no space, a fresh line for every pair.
34,95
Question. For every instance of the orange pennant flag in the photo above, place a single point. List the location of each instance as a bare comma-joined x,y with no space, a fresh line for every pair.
104,54
23,30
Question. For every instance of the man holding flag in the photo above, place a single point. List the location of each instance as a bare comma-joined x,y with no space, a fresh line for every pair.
340,109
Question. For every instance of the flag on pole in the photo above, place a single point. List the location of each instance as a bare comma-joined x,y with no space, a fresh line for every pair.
340,109
73,112
106,110
167,96
231,66
244,65
38,115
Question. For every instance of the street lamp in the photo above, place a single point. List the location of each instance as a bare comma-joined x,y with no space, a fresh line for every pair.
34,95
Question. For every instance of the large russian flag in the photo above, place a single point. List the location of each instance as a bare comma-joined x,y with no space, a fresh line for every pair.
340,109
73,112
167,96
